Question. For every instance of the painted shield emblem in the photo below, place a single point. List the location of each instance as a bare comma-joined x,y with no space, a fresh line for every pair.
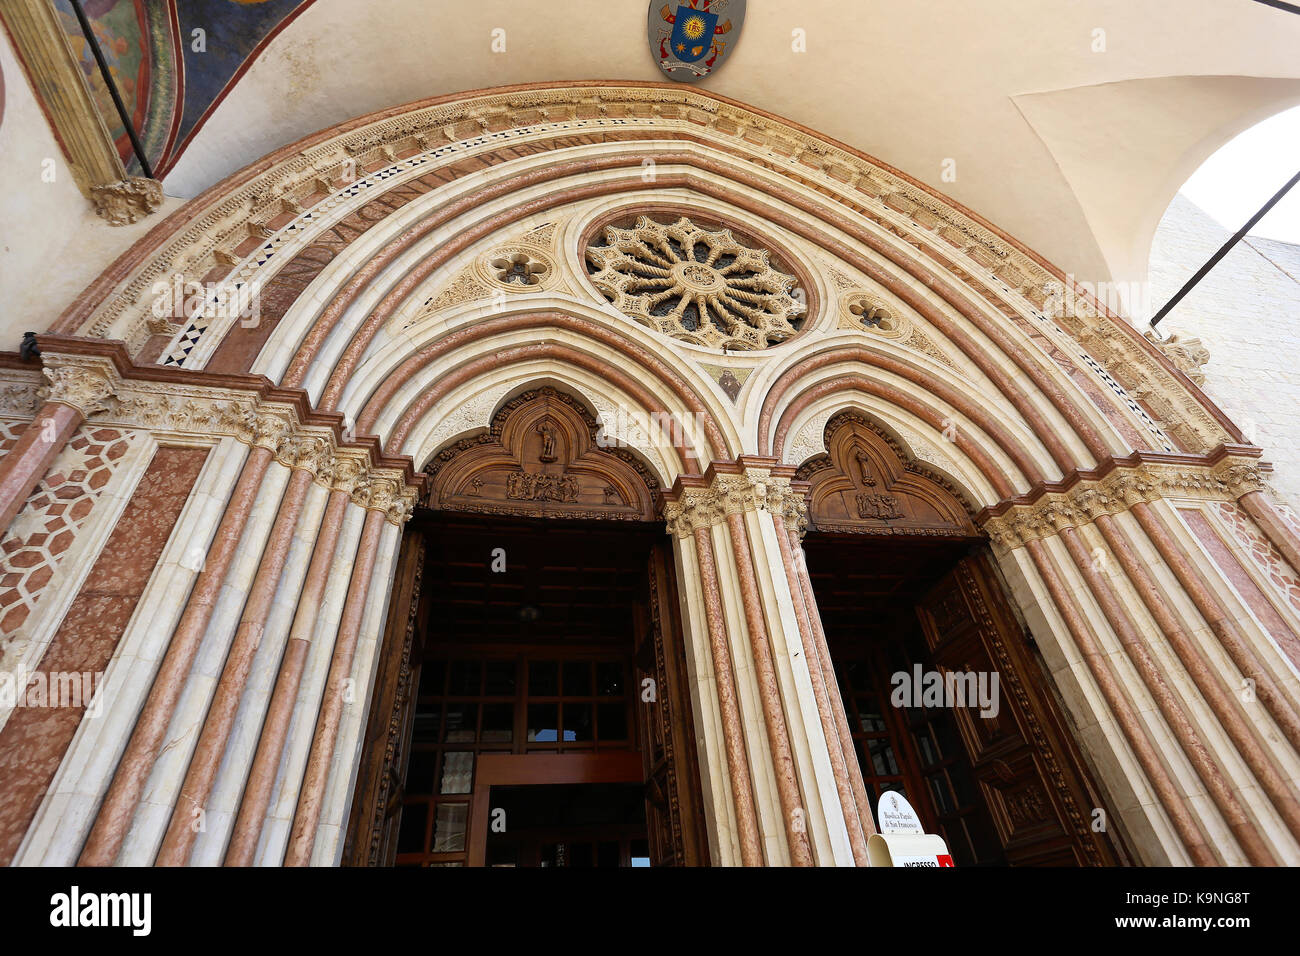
690,40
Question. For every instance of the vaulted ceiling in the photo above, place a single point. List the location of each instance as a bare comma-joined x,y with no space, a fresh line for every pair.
1071,125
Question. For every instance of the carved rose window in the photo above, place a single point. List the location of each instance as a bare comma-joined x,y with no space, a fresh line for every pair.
696,285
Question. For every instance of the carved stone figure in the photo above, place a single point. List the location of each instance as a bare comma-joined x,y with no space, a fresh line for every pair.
548,433
864,466
884,507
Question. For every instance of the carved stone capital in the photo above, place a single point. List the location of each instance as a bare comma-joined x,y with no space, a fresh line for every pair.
1226,480
752,490
87,386
126,201
189,412
694,509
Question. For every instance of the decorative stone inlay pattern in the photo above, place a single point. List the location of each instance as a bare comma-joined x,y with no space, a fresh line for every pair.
1053,512
695,285
43,531
196,411
1261,551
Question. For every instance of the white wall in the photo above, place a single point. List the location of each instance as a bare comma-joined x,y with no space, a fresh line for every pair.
1247,313
51,242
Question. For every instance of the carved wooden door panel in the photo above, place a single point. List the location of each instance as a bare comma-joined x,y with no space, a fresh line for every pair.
377,799
1038,791
674,823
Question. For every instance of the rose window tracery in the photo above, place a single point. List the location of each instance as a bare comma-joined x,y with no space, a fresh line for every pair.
694,284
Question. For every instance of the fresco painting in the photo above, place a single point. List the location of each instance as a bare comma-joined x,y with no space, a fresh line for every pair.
168,76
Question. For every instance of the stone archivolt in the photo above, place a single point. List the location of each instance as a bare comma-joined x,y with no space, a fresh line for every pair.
1013,281
700,286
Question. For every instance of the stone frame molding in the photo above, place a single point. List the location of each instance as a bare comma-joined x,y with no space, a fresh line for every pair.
65,97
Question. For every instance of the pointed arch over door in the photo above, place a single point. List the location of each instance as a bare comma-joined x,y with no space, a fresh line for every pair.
866,484
542,457
588,589
908,590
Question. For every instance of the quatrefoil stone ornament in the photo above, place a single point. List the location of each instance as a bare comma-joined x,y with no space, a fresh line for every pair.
519,268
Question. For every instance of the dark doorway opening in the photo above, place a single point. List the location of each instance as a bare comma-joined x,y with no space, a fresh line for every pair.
1002,784
529,641
867,591
568,825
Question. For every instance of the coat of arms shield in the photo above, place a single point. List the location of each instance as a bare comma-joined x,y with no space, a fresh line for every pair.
691,39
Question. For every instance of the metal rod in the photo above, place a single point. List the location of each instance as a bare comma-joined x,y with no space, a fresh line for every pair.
112,87
1224,250
1281,5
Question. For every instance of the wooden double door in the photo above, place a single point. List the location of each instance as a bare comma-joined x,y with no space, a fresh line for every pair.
948,702
529,664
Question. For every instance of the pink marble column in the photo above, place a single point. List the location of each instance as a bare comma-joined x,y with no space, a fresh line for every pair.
115,813
30,458
311,797
742,784
1135,648
830,729
1229,636
275,729
778,735
206,761
854,770
1224,703
1166,791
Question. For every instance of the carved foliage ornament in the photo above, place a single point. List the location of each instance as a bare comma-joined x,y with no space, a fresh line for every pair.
1188,355
127,201
699,286
93,386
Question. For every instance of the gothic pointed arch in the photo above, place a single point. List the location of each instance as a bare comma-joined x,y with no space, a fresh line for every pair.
866,483
543,457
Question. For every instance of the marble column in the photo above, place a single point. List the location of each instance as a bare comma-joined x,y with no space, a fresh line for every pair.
803,801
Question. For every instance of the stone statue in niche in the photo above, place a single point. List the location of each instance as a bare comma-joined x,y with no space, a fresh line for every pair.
864,467
547,431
